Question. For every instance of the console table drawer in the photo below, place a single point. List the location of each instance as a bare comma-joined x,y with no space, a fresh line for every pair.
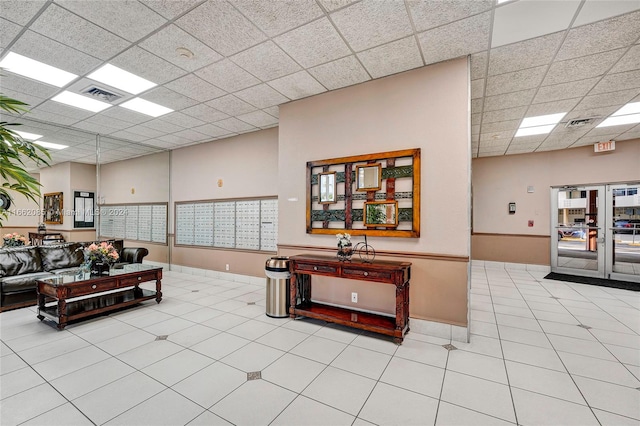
367,275
90,288
318,269
138,279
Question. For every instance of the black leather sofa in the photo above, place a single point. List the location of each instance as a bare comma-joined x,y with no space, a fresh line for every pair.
20,267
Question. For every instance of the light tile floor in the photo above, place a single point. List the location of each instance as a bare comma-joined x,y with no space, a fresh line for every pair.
541,352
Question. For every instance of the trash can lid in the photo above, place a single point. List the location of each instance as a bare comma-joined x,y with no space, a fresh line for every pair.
277,264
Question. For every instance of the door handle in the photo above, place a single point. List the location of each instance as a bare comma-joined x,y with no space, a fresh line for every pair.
601,240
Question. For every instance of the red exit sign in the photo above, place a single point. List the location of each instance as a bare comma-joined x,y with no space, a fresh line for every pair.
604,146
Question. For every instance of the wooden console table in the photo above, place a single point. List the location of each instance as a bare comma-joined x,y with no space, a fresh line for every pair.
386,272
105,293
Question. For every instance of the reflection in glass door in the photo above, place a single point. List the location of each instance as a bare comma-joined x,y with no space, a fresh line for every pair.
623,236
577,219
596,231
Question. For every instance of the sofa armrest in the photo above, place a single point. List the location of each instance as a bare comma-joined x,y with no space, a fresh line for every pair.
133,254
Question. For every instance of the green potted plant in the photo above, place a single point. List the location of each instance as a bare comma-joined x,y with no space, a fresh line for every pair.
14,150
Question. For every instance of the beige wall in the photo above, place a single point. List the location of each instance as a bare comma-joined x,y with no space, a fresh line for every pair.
425,108
248,167
497,181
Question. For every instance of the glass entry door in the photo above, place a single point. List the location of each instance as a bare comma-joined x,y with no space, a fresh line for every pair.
596,231
578,240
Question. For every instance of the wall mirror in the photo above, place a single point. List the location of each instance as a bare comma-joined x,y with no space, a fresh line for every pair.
381,213
327,188
369,177
52,208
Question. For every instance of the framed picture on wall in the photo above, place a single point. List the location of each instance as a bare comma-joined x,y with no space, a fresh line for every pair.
381,213
83,206
52,208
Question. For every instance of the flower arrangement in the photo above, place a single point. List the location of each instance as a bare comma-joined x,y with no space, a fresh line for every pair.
103,252
14,240
344,240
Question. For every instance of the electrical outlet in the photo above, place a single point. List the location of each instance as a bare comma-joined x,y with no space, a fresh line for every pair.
226,267
354,297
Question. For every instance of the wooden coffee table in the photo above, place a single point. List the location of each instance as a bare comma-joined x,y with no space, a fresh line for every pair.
82,295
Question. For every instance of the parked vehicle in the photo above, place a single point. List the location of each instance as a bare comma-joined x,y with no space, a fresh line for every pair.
627,226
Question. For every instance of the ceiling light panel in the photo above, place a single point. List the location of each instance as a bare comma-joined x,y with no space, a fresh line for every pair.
26,135
80,101
536,130
630,108
121,79
146,107
36,70
542,120
619,120
51,145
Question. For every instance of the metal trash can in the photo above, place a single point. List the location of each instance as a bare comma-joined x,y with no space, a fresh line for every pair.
278,281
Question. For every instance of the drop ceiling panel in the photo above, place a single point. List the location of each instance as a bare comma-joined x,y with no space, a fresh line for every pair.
590,140
574,89
596,10
205,113
552,107
515,81
503,115
147,65
26,85
600,36
583,67
227,76
392,58
231,105
20,11
629,62
168,98
298,85
606,99
261,96
78,33
459,38
477,88
8,31
508,100
340,73
526,19
28,99
62,109
492,136
258,119
371,23
182,120
126,115
428,15
274,111
125,134
234,125
525,54
97,127
173,140
479,65
170,9
629,80
296,43
147,132
192,135
109,122
165,42
163,126
236,34
211,130
276,17
266,61
130,20
51,117
331,5
500,126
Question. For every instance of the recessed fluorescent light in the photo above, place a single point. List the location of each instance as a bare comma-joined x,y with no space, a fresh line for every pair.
619,120
80,101
146,107
121,79
28,136
36,70
630,108
536,130
50,145
542,120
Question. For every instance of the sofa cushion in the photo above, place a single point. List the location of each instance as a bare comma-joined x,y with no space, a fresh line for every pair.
19,260
60,256
22,282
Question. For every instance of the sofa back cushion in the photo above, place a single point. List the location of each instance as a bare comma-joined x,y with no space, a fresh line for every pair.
19,260
59,256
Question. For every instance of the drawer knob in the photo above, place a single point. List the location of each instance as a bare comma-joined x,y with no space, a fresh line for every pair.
366,274
93,286
315,268
139,278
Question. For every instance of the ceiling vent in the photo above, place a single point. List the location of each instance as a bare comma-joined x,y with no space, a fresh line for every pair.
579,122
101,94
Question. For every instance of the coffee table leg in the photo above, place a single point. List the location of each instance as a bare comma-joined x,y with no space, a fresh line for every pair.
158,292
40,306
62,314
